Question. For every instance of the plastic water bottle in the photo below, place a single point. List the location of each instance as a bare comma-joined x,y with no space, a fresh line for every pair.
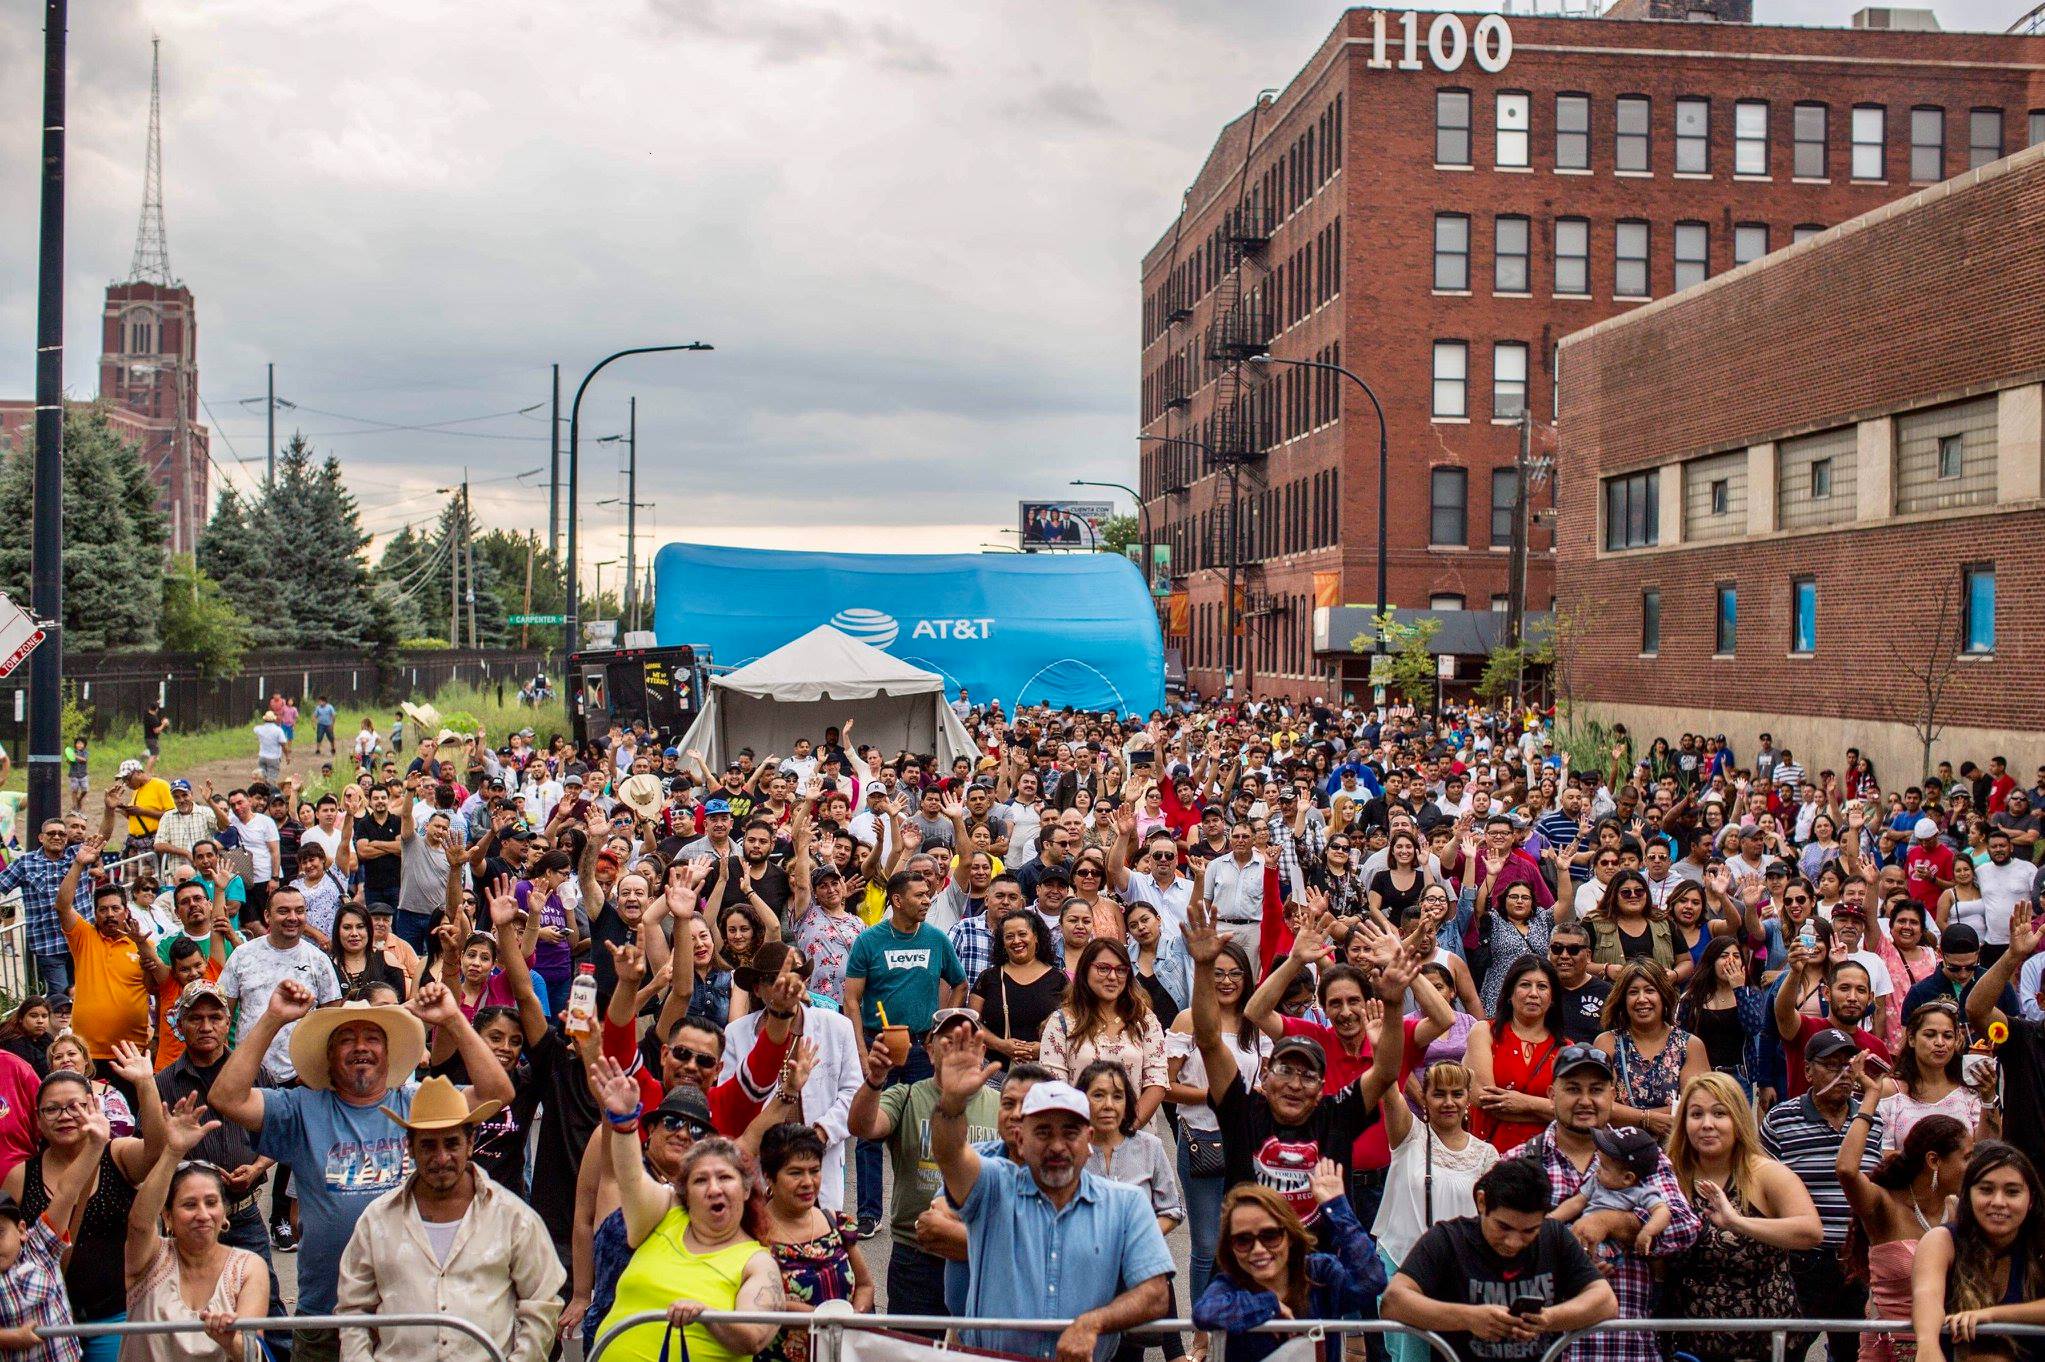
582,1001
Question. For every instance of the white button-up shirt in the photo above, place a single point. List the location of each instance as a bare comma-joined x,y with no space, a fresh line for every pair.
1236,891
502,1274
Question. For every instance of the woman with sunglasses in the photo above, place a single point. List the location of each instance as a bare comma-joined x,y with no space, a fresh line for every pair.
1106,1015
1266,1268
1652,1057
174,1255
1339,875
67,1115
1626,924
1089,886
1930,1080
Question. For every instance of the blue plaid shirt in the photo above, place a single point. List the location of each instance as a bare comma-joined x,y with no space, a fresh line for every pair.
38,876
974,944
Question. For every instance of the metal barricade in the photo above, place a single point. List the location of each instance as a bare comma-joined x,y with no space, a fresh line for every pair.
285,1323
828,1325
1778,1329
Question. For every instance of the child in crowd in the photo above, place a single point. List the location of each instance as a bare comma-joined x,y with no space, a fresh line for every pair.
1618,1184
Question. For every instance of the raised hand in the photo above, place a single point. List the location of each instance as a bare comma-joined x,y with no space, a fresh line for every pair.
131,1062
962,1067
504,909
1327,1181
614,1089
800,1064
290,1001
784,993
630,964
2023,930
186,1124
89,849
435,1005
877,1062
1202,937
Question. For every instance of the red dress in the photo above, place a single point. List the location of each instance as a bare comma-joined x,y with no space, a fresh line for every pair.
1524,1066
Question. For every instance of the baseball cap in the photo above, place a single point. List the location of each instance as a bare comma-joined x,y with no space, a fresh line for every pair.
1630,1147
1827,1043
1305,1047
686,1101
713,807
1056,1096
946,1016
1959,938
1574,1057
571,779
128,768
181,784
671,752
196,992
1924,831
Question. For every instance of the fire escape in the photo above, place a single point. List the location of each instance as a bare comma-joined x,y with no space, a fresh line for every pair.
1238,423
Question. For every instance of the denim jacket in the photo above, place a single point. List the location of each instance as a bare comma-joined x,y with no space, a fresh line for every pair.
1340,1285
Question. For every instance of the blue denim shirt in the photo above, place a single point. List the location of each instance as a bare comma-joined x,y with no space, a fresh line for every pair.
1340,1285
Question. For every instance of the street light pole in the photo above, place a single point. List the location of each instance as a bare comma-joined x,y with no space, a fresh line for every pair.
1142,518
1384,469
46,543
572,618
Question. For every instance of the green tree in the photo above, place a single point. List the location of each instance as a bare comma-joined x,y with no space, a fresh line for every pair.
1120,533
1410,657
1503,666
113,534
198,617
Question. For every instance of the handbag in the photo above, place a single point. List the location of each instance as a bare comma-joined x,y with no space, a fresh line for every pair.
1204,1157
669,1334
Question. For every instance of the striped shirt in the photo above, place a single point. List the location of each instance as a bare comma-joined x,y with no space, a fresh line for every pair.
1795,1133
1559,830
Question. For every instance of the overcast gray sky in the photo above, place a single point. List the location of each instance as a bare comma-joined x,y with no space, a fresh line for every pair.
911,227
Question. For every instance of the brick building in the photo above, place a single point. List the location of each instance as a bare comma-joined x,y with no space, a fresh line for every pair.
1433,202
1814,487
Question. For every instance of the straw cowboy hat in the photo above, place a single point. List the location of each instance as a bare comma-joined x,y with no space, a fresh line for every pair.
439,1105
404,1040
426,716
642,794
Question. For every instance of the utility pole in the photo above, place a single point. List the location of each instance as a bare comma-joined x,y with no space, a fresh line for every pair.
631,601
46,553
554,475
525,630
270,409
469,552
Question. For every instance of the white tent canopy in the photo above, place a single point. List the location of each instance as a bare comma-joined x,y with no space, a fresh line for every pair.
820,681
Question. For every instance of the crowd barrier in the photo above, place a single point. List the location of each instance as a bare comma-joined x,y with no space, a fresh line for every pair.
285,1325
1779,1330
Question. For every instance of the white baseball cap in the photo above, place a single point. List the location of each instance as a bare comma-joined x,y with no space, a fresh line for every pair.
128,768
1925,829
1056,1097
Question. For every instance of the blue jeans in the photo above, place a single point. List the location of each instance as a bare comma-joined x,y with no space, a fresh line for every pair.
1203,1216
247,1231
867,1156
411,929
54,970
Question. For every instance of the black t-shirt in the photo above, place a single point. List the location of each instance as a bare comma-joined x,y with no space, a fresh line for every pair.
568,1119
1453,1263
1256,1148
1018,1011
606,929
381,872
2023,1087
1583,1010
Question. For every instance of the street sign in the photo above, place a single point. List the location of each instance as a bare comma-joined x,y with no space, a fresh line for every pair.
18,636
536,619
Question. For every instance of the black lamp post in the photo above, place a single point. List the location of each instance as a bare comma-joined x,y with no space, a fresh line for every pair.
1384,468
572,619
1142,517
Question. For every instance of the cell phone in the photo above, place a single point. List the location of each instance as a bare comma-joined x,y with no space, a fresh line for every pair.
1874,1065
1527,1305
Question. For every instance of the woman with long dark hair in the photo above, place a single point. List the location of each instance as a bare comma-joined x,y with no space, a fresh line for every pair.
1652,1056
1907,954
1518,931
1985,1265
1202,1177
1894,1206
353,950
1929,1079
1403,878
1511,1056
1626,925
1124,1153
1724,1011
1016,996
1106,1015
26,1032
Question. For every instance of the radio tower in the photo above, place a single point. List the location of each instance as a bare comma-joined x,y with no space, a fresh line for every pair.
152,244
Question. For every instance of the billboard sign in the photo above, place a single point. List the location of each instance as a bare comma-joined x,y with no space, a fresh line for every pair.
1063,524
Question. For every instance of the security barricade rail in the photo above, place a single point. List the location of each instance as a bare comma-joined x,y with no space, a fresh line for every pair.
284,1324
1778,1329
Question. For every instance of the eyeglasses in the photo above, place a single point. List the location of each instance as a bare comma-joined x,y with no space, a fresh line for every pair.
1632,891
702,1059
1228,976
1269,1238
1287,1073
1109,970
67,1109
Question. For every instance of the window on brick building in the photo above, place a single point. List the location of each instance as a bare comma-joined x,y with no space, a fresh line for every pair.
1514,113
1629,260
1804,231
1726,619
1750,137
1504,496
1821,479
1927,145
1693,254
1633,510
1451,252
1651,621
1977,608
1721,495
1750,242
1509,256
1508,380
1984,137
1632,115
2037,137
1451,378
1803,615
1445,600
1572,255
1807,127
1870,150
1951,448
1693,136
1501,603
1448,507
1572,132
1452,127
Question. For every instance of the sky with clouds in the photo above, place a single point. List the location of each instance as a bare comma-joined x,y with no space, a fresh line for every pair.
911,227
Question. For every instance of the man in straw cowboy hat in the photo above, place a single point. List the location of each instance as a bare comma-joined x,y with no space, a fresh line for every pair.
355,1063
449,1241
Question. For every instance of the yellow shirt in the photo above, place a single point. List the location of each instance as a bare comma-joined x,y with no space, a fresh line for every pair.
663,1271
154,796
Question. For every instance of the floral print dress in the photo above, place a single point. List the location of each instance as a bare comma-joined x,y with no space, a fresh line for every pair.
814,1271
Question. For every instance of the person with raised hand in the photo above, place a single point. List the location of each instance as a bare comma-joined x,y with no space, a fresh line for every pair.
175,1254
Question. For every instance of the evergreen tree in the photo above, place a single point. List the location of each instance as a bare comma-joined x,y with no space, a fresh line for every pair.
113,534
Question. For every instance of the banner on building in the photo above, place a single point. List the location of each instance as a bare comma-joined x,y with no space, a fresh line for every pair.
1063,524
1328,588
1178,613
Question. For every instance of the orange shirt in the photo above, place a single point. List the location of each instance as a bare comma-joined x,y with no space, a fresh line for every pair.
170,1046
110,993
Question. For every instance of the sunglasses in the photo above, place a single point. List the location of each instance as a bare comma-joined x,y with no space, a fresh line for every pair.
1632,891
1557,948
1086,870
682,1054
1269,1238
674,1120
1338,846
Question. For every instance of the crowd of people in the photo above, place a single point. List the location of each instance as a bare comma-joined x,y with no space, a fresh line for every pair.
1384,1014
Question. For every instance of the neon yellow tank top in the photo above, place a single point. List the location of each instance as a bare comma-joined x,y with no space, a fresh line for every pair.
663,1271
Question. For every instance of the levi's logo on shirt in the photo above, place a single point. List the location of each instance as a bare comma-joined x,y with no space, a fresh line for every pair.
906,957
